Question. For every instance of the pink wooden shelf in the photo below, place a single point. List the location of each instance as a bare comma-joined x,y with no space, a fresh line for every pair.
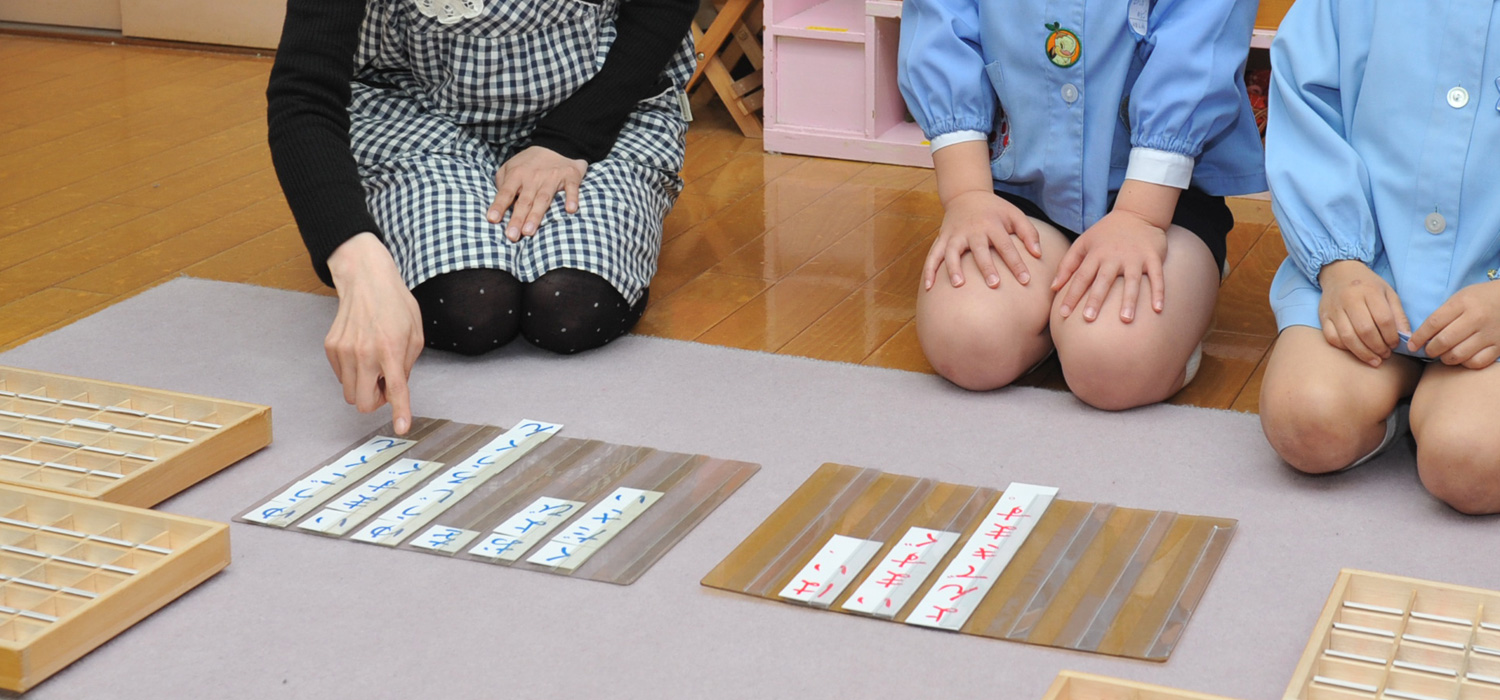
831,82
833,20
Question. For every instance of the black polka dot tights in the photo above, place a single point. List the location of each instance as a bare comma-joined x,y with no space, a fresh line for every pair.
565,311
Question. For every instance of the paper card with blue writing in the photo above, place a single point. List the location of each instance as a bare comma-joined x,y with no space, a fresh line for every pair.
316,488
535,522
328,521
499,454
383,487
276,514
420,509
826,575
497,546
383,532
957,592
608,517
631,500
586,535
896,577
557,554
441,538
358,504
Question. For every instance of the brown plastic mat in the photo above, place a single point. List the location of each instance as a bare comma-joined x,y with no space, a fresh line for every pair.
1090,577
581,471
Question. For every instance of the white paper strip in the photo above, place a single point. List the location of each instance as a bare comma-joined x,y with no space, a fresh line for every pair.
421,508
897,578
956,594
596,528
316,488
524,529
826,575
440,538
353,508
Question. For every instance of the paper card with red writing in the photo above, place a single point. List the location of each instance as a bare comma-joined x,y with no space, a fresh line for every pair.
955,595
897,577
821,581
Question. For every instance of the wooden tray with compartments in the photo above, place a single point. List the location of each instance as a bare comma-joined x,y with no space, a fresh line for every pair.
1383,636
118,443
75,572
1072,685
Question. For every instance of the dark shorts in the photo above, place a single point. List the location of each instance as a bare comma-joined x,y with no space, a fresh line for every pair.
1205,215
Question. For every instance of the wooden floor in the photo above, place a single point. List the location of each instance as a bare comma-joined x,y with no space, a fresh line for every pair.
123,167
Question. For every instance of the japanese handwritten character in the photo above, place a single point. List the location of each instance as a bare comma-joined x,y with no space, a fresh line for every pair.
971,573
908,559
357,501
941,611
961,590
554,510
605,516
894,579
526,527
1000,531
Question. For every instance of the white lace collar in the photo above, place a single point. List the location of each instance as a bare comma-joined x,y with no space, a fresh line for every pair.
451,11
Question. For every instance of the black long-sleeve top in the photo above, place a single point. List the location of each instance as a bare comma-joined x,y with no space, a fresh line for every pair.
308,108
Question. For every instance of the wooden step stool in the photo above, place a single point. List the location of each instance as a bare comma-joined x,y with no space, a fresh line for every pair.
716,55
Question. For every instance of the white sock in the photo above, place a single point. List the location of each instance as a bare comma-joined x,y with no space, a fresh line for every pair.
1193,362
1396,425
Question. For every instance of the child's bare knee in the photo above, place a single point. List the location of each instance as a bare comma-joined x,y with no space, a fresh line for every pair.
1317,429
1458,463
1112,378
974,351
977,359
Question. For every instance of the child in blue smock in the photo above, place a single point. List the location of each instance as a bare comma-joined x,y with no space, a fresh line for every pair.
1083,149
1383,154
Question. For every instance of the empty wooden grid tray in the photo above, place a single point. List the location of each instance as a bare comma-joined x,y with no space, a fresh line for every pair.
76,572
118,443
520,498
1072,685
1088,576
1384,636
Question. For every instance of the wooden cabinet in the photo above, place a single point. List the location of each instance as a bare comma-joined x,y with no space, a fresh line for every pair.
91,14
248,23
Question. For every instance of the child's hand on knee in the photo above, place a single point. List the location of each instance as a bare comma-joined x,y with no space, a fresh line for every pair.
1122,244
982,222
1360,311
528,182
1465,330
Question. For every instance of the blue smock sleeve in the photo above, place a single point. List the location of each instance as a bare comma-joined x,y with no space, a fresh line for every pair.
1190,89
940,68
1320,187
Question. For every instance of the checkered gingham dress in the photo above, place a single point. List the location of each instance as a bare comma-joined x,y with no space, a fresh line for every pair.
437,108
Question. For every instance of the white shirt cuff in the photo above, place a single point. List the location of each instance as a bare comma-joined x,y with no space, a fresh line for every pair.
1160,167
950,138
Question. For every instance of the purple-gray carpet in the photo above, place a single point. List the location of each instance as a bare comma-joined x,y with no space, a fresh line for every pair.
304,617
